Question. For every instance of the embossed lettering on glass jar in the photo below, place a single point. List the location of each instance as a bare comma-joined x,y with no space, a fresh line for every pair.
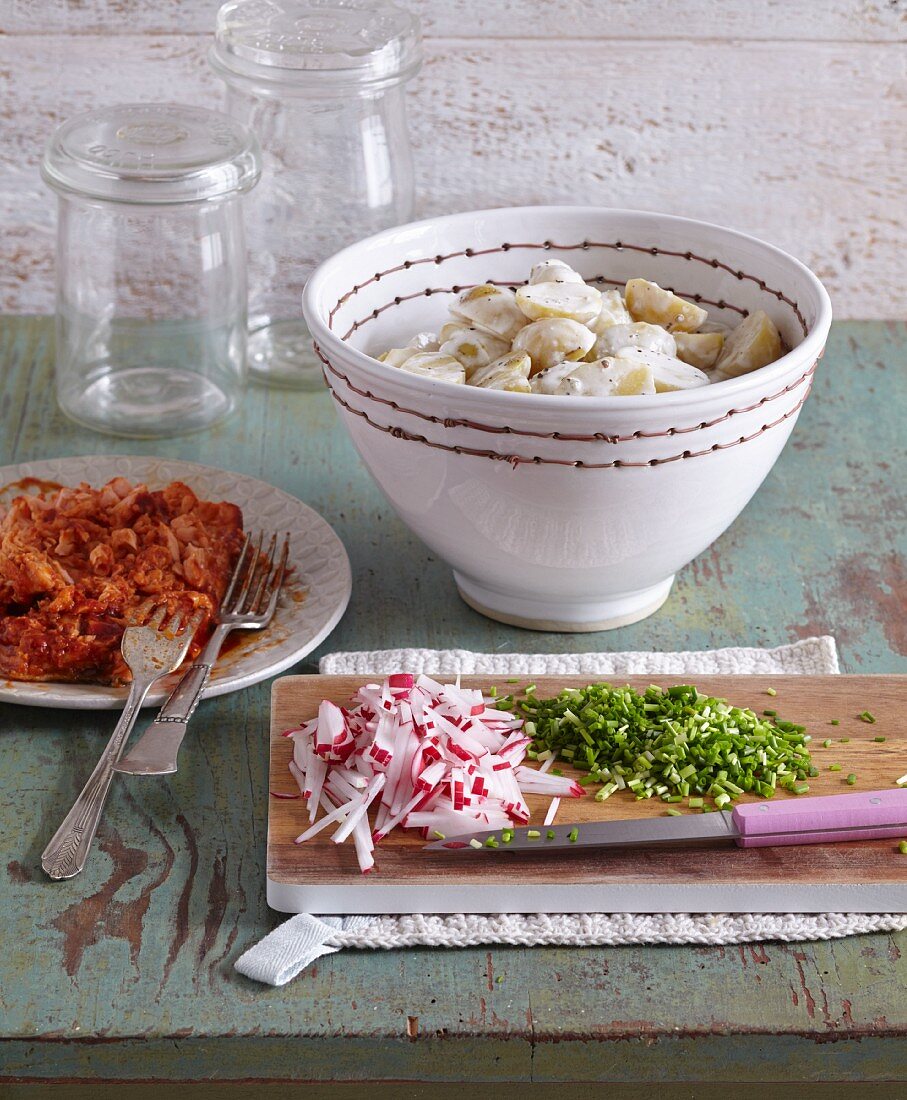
320,82
151,282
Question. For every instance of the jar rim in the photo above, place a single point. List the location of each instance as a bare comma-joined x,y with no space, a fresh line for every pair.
151,154
316,44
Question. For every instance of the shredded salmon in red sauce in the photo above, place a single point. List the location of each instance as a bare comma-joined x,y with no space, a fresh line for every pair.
79,565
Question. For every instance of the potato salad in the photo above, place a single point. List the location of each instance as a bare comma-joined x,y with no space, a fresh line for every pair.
559,335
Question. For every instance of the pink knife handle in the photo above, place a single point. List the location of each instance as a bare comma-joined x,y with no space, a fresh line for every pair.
868,815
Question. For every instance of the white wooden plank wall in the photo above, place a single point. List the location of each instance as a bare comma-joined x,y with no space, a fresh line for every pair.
786,118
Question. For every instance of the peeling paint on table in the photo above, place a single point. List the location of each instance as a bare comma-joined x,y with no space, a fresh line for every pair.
127,971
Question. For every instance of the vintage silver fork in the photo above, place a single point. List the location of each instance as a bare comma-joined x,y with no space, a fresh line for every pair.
258,579
150,652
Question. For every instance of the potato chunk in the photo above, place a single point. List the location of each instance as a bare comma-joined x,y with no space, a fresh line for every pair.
603,378
396,357
638,334
474,348
649,302
754,343
613,312
575,301
668,373
433,364
629,379
492,309
452,328
552,340
699,349
553,271
510,372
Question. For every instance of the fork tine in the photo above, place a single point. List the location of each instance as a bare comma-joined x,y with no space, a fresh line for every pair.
158,617
254,565
255,602
237,571
176,623
277,577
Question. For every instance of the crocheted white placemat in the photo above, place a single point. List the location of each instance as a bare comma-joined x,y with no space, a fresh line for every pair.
300,940
816,655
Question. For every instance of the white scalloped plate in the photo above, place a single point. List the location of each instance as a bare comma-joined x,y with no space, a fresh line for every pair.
311,604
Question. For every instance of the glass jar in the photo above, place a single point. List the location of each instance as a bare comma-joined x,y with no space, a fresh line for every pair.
151,266
320,83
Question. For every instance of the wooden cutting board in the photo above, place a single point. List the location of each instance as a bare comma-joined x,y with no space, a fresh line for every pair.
867,876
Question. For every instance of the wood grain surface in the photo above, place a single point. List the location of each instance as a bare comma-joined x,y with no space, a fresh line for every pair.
786,120
844,20
812,701
126,973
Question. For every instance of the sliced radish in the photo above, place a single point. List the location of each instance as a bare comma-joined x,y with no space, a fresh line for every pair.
360,811
425,755
552,811
329,818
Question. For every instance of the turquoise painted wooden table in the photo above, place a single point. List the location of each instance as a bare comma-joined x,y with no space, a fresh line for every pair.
126,974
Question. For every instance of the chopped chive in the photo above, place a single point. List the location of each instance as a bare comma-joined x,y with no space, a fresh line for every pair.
437,833
879,739
852,778
695,803
550,834
902,782
532,834
493,693
667,743
573,836
671,812
812,770
512,681
803,788
770,691
491,842
475,843
865,716
507,835
500,979
770,713
834,722
529,689
826,744
843,740
902,847
834,768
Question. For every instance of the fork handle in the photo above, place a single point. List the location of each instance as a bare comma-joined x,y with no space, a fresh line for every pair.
185,697
68,849
156,750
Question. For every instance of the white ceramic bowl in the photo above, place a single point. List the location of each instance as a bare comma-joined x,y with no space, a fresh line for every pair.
562,513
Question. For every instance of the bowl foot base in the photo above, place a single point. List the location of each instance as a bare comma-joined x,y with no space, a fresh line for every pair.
561,616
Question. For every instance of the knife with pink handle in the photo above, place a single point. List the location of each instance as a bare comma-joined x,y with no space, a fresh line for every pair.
866,815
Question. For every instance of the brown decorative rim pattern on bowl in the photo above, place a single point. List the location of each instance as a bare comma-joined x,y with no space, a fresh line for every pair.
507,246
598,437
536,460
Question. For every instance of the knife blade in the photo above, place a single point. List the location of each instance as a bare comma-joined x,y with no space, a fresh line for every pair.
864,815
